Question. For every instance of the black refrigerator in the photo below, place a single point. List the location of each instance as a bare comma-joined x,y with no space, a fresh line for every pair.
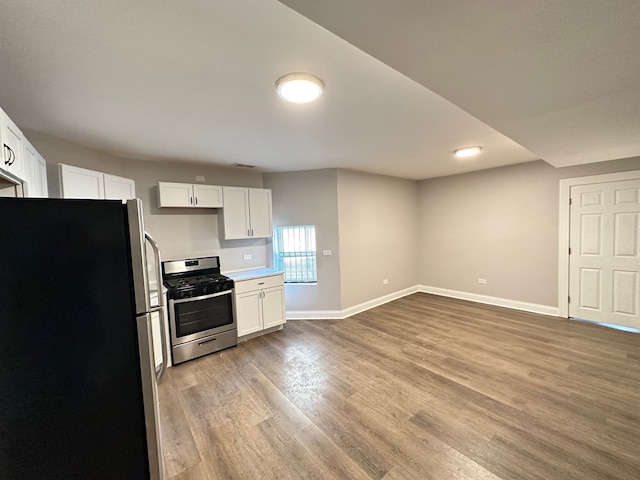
78,381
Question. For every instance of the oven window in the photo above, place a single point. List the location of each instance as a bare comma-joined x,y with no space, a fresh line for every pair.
201,315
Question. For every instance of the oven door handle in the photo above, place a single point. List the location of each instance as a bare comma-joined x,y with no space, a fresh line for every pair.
160,308
203,297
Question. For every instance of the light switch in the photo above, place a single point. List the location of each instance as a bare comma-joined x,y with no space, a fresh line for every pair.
326,253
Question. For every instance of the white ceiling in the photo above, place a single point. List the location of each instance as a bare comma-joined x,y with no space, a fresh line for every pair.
194,80
561,78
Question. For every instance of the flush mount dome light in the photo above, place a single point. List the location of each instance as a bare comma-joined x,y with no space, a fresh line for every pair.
299,87
467,152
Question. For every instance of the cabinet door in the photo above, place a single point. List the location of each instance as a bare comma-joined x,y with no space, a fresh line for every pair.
249,312
79,182
119,188
29,165
12,146
260,212
207,196
35,172
40,176
235,213
273,313
175,194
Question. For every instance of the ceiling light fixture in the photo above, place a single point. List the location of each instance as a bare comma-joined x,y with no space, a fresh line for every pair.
467,152
299,87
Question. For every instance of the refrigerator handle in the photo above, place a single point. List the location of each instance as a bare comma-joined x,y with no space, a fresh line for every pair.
138,256
163,321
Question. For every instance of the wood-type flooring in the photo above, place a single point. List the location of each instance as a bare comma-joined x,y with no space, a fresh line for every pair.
424,387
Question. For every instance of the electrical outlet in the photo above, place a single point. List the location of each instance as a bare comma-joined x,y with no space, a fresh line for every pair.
247,256
483,281
326,253
385,281
199,178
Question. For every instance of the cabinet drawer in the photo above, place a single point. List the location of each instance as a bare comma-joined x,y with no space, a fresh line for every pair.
259,283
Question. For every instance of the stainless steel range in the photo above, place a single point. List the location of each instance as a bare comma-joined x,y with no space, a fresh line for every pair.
202,313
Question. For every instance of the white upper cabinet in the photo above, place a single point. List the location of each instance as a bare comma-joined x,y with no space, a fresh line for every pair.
246,213
175,194
189,195
207,196
235,213
12,141
40,177
21,159
260,212
79,182
118,188
35,172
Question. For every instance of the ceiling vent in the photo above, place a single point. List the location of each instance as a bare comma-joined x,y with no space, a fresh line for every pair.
242,165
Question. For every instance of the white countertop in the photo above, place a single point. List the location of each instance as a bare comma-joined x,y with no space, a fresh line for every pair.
251,274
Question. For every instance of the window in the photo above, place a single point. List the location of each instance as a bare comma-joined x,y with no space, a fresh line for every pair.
294,252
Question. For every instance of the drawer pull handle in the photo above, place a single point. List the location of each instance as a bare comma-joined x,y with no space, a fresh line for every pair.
206,341
261,283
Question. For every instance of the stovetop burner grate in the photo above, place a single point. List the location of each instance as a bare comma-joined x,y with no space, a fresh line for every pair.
194,277
186,282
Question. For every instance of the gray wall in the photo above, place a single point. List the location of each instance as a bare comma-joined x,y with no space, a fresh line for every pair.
368,221
378,224
180,232
310,198
499,224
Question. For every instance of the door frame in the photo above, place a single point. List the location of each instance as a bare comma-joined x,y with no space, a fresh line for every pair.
564,228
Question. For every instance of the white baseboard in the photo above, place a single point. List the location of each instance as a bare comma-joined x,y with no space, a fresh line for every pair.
347,312
444,292
314,314
500,302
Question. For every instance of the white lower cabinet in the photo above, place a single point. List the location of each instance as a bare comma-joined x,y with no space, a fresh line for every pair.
249,312
259,304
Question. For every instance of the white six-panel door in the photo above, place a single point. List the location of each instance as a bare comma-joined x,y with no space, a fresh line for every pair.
604,260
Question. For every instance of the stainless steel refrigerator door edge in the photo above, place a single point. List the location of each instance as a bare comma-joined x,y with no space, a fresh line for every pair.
138,256
150,396
161,307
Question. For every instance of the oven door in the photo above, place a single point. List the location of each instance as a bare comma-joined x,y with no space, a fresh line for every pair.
198,317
